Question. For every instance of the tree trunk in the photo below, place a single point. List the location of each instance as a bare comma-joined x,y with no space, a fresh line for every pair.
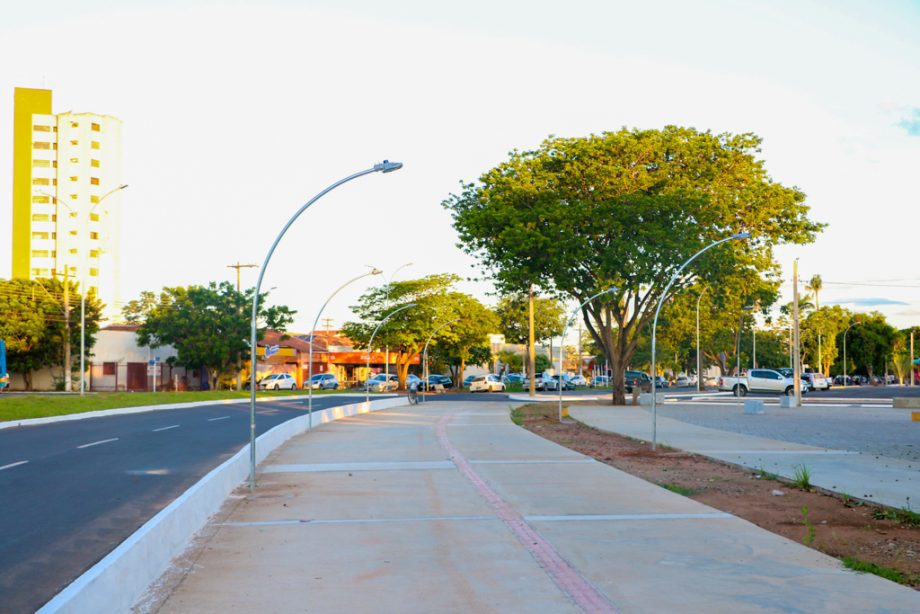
459,382
402,368
27,380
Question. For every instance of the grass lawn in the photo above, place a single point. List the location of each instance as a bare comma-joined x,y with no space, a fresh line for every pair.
23,406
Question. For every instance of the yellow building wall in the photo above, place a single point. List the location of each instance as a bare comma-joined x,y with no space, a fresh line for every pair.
26,103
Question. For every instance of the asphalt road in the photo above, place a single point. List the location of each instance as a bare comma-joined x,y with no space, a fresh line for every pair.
70,492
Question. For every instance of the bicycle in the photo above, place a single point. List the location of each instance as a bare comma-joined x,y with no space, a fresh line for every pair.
413,394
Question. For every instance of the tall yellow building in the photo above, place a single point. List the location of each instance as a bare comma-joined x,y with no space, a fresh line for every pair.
67,176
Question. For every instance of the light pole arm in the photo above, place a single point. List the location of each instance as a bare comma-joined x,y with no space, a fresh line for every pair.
385,167
565,328
313,330
661,299
370,344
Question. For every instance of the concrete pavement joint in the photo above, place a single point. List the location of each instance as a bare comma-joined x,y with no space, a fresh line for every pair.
349,521
381,466
615,517
567,578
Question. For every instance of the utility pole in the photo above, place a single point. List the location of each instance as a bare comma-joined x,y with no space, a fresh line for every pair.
67,386
532,356
239,359
797,360
579,348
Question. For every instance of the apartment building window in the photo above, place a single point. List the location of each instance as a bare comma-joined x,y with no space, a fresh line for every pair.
72,214
41,128
75,160
94,199
74,124
41,200
41,181
95,127
40,163
39,236
94,163
94,272
94,236
41,273
94,253
94,180
41,145
108,368
73,197
94,144
74,142
41,217
73,251
40,253
94,217
74,178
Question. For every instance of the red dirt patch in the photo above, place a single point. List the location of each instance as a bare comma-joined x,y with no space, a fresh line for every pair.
833,525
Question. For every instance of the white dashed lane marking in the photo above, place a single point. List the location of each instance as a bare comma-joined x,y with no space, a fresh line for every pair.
11,465
220,418
96,443
166,428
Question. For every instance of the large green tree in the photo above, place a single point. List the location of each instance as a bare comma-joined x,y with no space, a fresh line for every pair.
870,344
624,209
35,328
208,325
436,303
513,312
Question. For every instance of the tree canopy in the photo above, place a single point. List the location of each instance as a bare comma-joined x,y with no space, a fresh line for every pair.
436,303
34,327
208,325
625,209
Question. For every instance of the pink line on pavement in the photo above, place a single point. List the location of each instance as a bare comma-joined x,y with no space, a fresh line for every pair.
579,590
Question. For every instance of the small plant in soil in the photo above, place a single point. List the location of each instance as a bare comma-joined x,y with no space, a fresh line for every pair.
851,562
809,538
904,516
802,478
680,490
763,474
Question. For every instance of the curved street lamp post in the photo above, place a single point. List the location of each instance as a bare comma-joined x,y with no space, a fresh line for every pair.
845,352
386,361
562,340
83,282
425,354
382,167
734,237
370,345
373,271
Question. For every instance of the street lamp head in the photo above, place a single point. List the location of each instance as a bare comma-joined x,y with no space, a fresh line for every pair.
375,271
742,235
122,186
388,167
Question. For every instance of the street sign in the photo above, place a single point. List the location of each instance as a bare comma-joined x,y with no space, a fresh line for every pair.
271,350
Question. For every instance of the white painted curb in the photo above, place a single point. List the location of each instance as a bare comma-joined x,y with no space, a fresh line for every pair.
121,411
548,398
119,580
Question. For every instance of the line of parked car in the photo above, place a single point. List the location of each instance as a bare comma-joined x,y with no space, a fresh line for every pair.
781,380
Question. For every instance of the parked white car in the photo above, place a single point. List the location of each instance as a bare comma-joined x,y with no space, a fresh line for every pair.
759,380
487,383
278,381
579,380
817,380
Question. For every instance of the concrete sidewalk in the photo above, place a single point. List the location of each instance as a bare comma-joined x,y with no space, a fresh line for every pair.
888,481
450,507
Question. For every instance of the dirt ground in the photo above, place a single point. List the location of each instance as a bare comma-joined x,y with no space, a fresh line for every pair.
832,524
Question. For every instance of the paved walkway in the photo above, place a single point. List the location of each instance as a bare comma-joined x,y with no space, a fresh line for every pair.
452,508
889,481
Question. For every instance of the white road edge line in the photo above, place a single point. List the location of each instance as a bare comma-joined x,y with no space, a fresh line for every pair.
220,418
166,428
96,443
11,465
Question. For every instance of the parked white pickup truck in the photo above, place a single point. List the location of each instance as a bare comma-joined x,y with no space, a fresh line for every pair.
759,380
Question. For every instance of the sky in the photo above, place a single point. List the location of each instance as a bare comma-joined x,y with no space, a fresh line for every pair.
237,113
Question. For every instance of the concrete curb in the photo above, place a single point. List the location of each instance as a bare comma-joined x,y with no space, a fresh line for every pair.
548,398
119,580
121,411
